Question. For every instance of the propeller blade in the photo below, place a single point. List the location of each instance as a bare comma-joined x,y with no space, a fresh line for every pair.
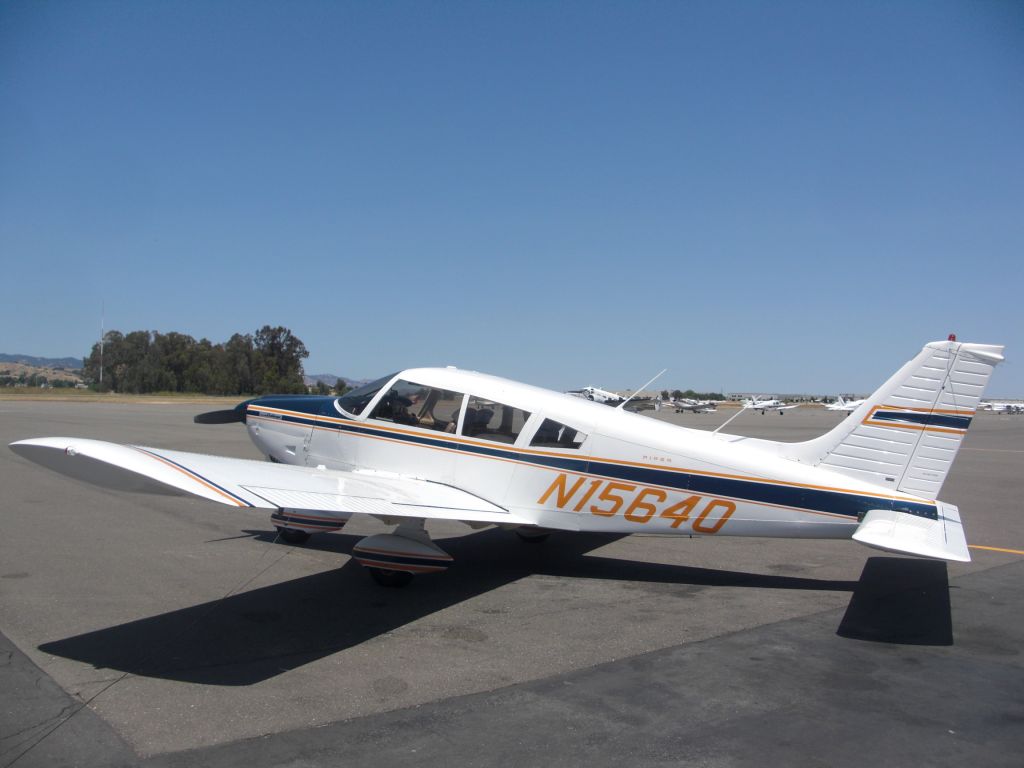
230,416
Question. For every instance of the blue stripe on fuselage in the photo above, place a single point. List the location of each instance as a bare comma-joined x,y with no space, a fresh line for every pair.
815,499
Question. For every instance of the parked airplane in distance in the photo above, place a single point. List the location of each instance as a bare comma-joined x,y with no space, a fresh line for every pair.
1001,408
686,404
445,444
603,396
844,405
771,404
597,395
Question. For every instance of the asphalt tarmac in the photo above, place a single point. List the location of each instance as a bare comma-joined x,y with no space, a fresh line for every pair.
165,631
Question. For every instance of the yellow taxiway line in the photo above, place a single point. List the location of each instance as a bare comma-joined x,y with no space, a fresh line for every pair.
996,549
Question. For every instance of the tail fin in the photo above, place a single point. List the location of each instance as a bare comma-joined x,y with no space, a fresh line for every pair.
906,435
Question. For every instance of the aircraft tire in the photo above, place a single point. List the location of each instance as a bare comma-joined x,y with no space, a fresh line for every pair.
293,535
385,577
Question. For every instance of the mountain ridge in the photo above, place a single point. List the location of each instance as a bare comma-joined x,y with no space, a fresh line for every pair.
72,363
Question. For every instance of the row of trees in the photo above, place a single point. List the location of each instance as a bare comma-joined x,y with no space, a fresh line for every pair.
246,364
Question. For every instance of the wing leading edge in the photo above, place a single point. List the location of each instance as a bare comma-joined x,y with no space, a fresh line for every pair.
248,483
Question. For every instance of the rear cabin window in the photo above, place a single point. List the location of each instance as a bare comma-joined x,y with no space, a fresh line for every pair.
553,434
407,402
489,420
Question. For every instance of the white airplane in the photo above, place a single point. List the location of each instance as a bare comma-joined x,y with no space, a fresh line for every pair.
685,404
844,405
597,394
1001,408
757,404
445,444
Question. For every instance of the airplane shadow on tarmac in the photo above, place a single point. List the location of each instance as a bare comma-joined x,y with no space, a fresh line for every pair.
900,600
249,637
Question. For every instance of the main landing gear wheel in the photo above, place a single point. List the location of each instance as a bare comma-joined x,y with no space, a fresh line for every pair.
293,535
389,578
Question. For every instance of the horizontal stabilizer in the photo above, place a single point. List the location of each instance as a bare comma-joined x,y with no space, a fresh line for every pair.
942,539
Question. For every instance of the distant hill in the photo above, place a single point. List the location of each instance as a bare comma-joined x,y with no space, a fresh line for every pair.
70,363
24,375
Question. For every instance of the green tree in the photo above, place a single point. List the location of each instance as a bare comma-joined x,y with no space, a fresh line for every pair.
279,356
238,365
150,361
199,373
134,359
108,361
177,350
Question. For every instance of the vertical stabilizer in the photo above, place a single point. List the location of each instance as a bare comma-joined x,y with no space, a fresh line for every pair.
906,435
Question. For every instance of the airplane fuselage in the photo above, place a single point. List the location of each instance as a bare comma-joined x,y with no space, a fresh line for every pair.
619,472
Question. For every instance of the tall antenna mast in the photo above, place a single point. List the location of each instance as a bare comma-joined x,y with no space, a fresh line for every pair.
622,405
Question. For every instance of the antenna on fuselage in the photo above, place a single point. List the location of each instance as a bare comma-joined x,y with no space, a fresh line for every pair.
622,405
724,423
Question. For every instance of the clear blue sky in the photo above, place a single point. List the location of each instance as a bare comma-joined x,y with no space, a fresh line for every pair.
769,196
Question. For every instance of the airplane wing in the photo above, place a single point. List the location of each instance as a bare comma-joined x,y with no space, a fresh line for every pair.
258,484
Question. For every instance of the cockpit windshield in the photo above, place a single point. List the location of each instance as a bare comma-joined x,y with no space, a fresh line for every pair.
355,402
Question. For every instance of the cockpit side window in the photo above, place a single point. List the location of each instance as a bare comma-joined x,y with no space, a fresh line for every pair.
493,421
407,402
355,402
554,434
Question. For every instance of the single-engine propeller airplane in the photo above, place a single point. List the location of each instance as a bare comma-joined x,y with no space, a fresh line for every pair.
684,404
597,394
771,404
441,443
1001,408
843,405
